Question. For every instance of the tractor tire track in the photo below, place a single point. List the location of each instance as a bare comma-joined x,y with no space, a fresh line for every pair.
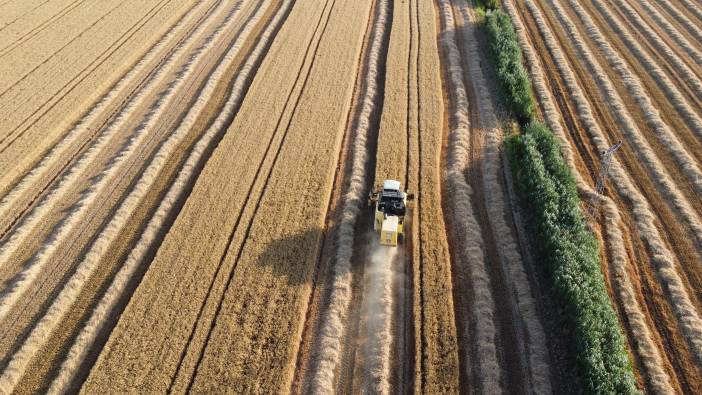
38,29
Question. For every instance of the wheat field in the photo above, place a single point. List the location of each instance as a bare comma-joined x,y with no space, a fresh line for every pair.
184,184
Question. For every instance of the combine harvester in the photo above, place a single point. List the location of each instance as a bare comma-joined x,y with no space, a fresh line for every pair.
390,208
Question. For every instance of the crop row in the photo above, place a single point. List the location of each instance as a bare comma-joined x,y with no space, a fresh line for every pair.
549,195
643,338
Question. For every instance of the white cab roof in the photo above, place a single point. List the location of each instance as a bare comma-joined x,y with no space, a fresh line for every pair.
391,184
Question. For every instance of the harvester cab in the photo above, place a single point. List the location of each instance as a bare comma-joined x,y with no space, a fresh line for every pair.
390,207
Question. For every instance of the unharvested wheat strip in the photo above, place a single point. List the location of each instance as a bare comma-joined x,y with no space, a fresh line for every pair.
646,347
644,218
630,128
677,99
536,352
35,266
77,133
327,350
30,25
16,69
467,231
638,92
683,20
643,28
95,324
670,29
38,213
63,302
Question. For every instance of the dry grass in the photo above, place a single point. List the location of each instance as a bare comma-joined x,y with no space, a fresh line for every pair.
436,360
674,94
328,347
682,19
81,129
647,348
693,8
638,92
65,299
26,277
642,28
136,258
378,307
644,219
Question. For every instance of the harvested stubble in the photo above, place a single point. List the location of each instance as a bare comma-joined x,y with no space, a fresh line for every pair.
197,264
37,118
635,136
409,146
677,37
395,159
662,79
92,328
530,329
328,348
378,306
435,326
83,163
644,219
692,7
297,244
636,90
683,20
29,273
65,299
646,346
641,27
469,264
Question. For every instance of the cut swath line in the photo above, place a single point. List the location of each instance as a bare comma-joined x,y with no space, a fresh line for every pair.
70,292
9,202
36,265
328,347
80,348
663,259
